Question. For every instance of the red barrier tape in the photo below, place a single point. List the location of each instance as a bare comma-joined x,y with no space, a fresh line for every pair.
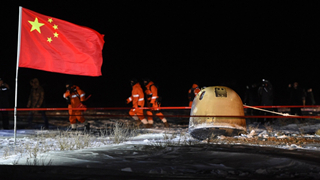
123,108
290,106
188,116
172,108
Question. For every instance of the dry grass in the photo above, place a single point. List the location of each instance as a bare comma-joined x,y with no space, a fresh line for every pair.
269,141
174,139
66,140
273,139
253,127
269,128
119,132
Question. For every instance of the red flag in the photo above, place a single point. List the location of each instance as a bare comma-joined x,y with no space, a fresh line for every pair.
55,45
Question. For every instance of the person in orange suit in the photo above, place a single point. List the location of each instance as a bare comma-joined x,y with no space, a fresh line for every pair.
192,93
75,98
137,99
153,101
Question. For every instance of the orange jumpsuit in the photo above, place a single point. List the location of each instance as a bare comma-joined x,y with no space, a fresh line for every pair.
192,93
137,99
152,94
75,99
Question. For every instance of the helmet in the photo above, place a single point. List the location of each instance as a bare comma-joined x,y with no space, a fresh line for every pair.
133,81
69,84
145,81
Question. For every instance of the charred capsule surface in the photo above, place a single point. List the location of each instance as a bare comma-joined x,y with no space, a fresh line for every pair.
212,102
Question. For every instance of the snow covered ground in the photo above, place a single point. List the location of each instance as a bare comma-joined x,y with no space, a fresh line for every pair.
284,149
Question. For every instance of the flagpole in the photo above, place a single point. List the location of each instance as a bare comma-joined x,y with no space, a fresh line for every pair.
16,80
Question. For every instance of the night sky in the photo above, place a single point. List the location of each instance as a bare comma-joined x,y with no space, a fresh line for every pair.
176,43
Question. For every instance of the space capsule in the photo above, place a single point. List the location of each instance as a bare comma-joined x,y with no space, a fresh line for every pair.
216,101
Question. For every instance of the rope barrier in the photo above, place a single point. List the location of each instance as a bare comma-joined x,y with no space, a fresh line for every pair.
164,108
259,108
272,112
182,116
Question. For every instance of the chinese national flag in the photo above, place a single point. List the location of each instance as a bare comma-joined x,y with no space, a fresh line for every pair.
55,45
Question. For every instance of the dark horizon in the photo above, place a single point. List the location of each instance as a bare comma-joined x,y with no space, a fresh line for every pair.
178,43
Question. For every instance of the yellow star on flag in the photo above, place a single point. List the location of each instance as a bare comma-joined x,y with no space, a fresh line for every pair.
55,34
50,20
49,39
55,26
35,25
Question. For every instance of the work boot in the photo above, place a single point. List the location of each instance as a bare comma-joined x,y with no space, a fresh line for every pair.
166,124
73,127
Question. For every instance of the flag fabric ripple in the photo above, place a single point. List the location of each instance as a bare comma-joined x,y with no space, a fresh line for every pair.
55,45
